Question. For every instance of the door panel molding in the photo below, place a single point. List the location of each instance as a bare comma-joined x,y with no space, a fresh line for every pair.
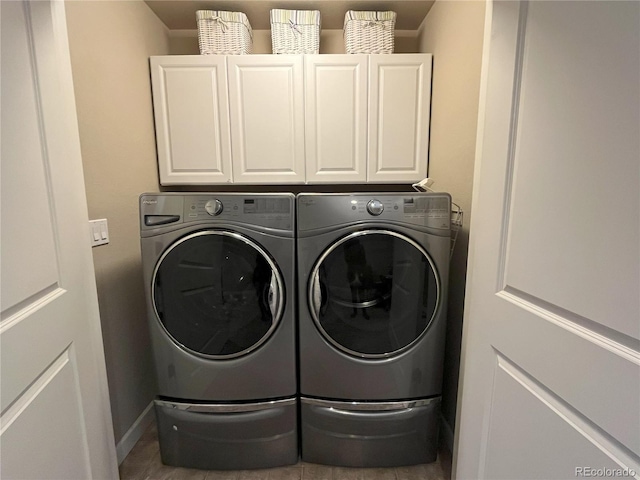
57,385
13,411
27,195
570,363
614,341
555,157
22,310
512,141
563,415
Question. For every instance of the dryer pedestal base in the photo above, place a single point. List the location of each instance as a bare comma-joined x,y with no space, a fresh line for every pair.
228,437
364,434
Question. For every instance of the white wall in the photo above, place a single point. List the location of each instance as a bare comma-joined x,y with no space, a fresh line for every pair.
453,33
110,44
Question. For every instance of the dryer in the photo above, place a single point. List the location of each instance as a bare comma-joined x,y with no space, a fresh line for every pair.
372,277
219,274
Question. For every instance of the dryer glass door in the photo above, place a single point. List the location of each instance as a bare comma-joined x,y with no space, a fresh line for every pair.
217,294
374,293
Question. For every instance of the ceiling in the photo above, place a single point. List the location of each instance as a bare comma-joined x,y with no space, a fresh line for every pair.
181,14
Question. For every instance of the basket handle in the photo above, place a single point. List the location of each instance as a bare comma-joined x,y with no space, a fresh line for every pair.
223,24
294,27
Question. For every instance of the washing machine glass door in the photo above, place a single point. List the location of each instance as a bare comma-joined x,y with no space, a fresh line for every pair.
217,294
374,293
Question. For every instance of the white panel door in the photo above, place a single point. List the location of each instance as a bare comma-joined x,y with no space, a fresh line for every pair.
550,385
191,109
336,118
267,118
399,110
55,419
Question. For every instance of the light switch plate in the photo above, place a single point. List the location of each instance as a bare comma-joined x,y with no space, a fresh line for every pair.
98,232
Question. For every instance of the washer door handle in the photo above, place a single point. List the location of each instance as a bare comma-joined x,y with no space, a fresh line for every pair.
317,296
273,297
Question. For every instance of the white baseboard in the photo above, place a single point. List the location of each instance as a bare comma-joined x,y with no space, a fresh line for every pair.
447,433
129,439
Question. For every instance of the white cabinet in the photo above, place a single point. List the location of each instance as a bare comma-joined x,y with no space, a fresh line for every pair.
336,118
367,118
191,109
399,102
278,119
267,118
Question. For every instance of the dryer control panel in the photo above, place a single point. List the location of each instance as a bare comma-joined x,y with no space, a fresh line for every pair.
430,210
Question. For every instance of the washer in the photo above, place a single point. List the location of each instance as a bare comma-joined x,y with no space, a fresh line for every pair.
372,279
219,272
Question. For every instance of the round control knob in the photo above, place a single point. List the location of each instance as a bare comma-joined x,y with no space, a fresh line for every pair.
213,207
375,207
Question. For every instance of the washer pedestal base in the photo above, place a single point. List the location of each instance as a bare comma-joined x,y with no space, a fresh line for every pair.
234,439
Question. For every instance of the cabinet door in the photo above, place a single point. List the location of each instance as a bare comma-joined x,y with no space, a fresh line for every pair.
399,101
336,118
267,118
191,109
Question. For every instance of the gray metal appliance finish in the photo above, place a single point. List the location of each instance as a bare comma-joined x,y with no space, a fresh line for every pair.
359,435
372,278
247,436
219,273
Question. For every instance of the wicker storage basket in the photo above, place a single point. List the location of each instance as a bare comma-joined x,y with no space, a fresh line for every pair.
295,31
224,33
369,32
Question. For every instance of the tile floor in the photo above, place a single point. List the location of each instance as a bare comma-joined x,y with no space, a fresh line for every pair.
143,463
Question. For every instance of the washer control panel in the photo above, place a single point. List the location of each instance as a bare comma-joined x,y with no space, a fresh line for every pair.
267,210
